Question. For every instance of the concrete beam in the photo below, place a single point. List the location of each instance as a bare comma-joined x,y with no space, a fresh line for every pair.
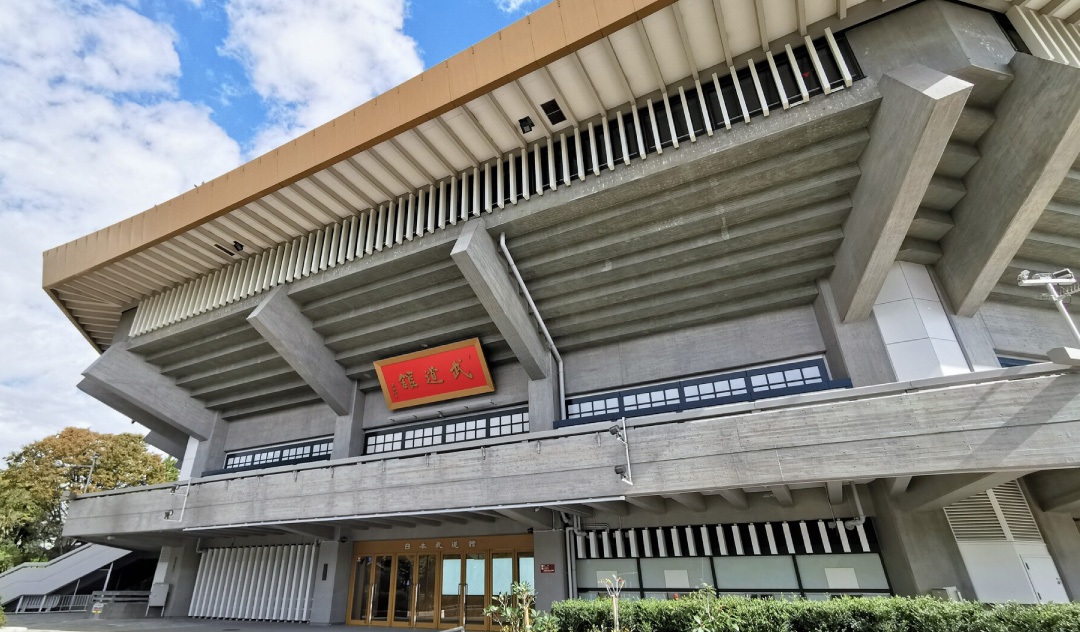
478,258
898,485
736,497
528,517
692,501
126,380
1056,490
618,507
1025,156
835,490
655,504
936,492
168,444
782,494
279,320
311,530
908,134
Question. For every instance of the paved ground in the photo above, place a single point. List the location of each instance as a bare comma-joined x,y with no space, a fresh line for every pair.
79,623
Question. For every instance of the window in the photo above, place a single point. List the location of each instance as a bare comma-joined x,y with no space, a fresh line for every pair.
317,450
497,424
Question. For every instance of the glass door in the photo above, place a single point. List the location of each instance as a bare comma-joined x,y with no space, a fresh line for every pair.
476,590
452,587
425,594
404,590
382,582
360,596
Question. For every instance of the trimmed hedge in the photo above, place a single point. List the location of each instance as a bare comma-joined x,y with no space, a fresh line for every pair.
698,613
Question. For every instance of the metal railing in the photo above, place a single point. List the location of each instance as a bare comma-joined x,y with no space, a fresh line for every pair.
52,603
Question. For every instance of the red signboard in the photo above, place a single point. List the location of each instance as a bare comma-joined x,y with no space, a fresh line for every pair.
547,568
434,375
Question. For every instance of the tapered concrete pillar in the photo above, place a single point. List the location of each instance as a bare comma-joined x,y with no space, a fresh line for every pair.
477,256
919,109
918,548
1024,158
349,429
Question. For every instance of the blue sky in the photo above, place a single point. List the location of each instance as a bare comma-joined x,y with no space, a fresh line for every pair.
441,28
112,106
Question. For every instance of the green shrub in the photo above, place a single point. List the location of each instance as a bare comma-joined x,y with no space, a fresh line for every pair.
703,612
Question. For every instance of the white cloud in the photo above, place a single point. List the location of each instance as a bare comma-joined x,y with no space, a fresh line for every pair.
510,6
315,60
91,131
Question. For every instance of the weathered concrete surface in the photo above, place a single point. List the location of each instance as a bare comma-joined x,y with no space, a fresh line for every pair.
1060,530
477,256
919,109
127,377
1025,156
853,350
1022,424
918,548
928,493
290,333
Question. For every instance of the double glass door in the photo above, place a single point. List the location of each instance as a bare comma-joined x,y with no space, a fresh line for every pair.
433,589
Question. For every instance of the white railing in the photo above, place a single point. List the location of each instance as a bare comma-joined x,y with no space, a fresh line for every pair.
52,603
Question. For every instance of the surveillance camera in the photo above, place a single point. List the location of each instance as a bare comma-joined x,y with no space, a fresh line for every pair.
343,539
620,470
614,430
168,514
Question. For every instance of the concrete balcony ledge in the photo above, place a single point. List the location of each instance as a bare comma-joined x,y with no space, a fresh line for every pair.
1017,419
712,412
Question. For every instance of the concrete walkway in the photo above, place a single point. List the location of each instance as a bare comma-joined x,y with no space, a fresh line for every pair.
77,622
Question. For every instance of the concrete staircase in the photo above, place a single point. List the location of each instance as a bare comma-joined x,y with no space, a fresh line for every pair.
43,578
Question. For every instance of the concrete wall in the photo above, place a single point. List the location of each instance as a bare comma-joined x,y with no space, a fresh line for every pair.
918,548
294,424
1023,331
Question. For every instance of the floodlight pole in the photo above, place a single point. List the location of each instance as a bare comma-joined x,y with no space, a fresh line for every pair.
1059,300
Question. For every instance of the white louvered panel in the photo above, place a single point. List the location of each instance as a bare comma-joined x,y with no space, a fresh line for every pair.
975,520
1016,512
264,583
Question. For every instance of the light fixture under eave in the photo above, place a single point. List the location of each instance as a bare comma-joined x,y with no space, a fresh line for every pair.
526,124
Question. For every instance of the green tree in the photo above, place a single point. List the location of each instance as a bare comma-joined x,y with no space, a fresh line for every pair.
40,475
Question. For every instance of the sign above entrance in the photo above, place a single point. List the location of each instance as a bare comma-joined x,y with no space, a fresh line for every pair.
434,375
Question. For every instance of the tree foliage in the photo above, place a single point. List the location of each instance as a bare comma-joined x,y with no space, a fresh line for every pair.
39,476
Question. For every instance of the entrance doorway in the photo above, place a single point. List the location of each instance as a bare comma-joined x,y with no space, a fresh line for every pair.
443,583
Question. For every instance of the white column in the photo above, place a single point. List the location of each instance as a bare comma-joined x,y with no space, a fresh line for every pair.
189,458
915,327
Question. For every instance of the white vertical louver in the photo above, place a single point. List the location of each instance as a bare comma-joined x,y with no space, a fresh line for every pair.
261,583
1000,514
398,221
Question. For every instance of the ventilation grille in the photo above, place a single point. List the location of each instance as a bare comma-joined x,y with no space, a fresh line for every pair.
1016,512
997,515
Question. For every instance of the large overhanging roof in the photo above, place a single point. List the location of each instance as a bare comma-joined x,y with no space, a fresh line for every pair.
591,57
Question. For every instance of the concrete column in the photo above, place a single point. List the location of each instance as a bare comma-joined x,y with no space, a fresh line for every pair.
919,109
332,575
915,326
549,547
349,429
544,404
1025,155
1062,536
177,567
853,350
918,548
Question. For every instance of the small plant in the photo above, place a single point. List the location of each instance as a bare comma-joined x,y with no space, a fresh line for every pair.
515,613
614,588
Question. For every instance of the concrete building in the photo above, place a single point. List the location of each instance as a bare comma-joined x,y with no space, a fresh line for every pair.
729,293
